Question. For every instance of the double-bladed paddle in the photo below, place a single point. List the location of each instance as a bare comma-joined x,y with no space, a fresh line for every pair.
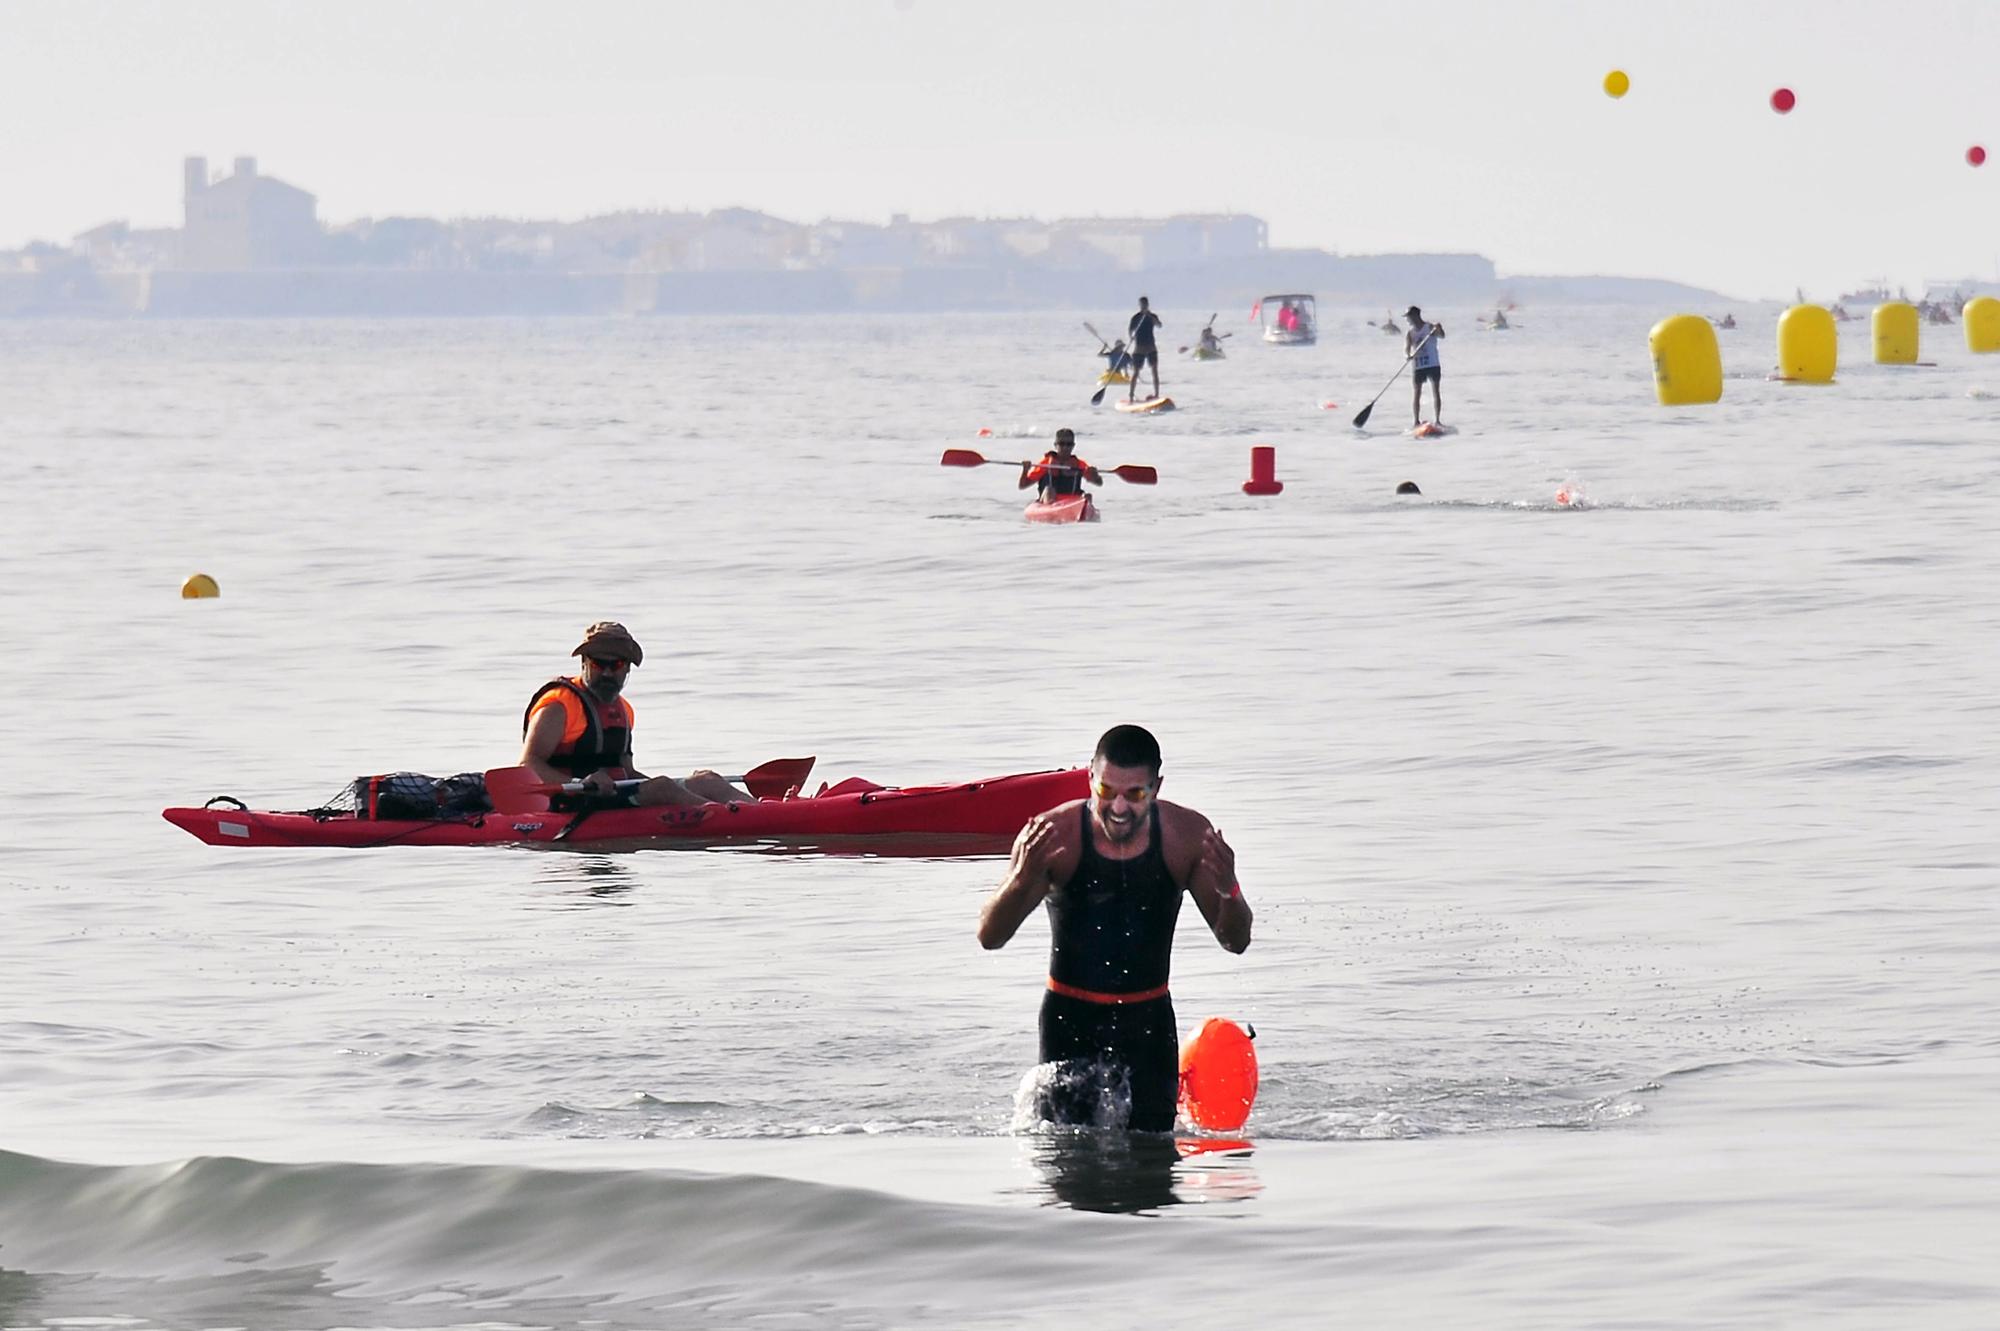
1362,419
521,790
1134,472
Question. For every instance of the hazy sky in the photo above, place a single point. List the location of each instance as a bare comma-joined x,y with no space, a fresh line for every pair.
1438,124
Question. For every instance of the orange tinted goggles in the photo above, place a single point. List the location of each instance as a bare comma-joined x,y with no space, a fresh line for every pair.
1134,795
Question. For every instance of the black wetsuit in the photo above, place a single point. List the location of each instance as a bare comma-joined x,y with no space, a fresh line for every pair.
1111,932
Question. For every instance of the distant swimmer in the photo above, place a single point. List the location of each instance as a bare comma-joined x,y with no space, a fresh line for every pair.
1112,869
1139,329
1061,471
1727,321
1408,488
1499,319
1421,344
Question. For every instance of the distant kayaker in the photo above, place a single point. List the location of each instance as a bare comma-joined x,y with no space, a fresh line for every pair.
1111,869
579,728
1061,471
1139,332
1116,360
1209,342
1421,343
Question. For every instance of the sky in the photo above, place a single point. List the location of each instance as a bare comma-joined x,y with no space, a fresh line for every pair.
1460,125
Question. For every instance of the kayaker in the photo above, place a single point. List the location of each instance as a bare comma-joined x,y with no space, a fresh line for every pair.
1112,868
1209,342
1421,342
579,728
1139,332
1061,471
1116,361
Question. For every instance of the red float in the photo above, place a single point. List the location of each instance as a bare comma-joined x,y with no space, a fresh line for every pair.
1976,155
1783,100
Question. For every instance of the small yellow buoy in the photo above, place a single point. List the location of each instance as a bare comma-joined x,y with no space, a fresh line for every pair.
1896,333
1687,362
1616,84
1982,324
1808,344
199,586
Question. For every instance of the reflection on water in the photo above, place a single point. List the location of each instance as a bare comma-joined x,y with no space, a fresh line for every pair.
596,881
1123,1173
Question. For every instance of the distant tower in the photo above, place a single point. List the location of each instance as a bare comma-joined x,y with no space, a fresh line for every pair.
246,167
194,182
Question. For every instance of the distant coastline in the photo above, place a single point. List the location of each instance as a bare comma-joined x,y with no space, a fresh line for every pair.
252,246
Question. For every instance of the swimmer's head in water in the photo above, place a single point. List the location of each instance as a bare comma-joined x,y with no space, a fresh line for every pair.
1408,488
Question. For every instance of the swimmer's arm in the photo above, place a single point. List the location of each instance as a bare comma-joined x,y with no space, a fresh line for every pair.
1216,892
1029,878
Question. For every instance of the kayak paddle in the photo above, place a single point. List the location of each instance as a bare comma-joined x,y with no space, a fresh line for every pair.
520,790
1362,419
1131,471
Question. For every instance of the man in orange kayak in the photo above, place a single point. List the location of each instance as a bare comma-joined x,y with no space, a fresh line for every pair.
1061,471
579,728
1111,869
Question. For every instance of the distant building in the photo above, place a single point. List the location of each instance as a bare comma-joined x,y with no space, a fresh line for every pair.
245,221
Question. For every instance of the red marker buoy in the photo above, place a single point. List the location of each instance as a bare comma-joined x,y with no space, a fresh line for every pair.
1218,1076
1263,472
985,433
1783,100
1976,155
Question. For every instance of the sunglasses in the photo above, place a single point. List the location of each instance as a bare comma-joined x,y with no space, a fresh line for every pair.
1136,796
609,662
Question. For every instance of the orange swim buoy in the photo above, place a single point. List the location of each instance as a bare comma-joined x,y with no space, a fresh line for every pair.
1218,1076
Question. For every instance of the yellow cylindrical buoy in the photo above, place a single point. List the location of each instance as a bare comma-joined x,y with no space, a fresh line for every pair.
199,587
1808,344
1687,363
1982,324
1895,325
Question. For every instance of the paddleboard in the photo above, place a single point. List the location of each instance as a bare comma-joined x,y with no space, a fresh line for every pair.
1146,404
1432,430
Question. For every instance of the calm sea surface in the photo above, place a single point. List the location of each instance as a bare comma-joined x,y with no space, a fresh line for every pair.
1627,944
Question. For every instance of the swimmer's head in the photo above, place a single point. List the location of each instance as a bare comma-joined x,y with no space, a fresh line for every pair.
1408,488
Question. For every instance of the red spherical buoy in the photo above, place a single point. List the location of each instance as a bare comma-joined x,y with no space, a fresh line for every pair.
1783,100
1976,155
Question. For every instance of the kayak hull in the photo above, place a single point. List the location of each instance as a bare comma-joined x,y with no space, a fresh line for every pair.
974,817
1206,353
1068,508
1113,377
1145,405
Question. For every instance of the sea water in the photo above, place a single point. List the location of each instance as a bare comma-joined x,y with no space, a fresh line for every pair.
1624,864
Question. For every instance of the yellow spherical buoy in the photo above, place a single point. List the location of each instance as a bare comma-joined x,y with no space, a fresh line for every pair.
199,586
1895,326
1687,363
1616,84
1982,324
1808,344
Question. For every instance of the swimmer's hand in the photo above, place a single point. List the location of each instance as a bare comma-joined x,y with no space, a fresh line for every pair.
1034,851
1215,866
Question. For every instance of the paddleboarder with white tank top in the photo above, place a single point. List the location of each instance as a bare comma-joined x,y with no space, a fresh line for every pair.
1421,344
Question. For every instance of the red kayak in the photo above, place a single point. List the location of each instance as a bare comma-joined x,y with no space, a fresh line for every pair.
969,818
1063,508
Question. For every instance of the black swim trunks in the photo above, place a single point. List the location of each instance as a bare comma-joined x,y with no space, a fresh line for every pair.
1434,373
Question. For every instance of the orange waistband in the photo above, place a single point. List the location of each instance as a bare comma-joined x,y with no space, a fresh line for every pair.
1093,996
